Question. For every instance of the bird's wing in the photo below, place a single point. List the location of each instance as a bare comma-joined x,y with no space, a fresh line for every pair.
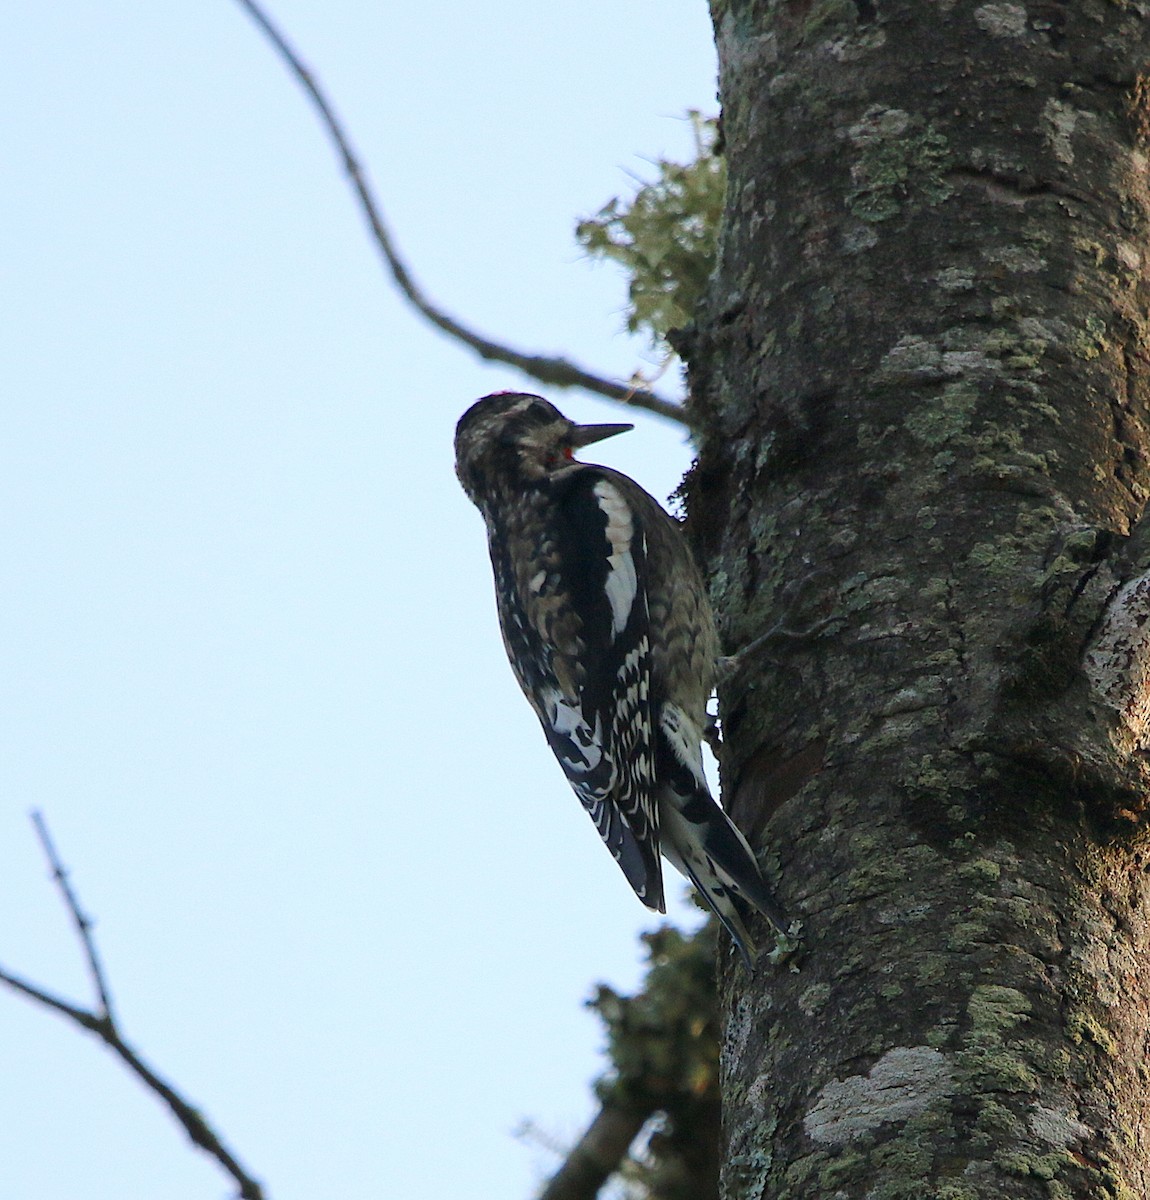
587,619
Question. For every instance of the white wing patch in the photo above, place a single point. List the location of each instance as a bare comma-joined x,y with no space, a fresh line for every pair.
622,581
578,746
685,739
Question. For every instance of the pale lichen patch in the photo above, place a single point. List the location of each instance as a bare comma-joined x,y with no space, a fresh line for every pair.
1059,120
995,1011
877,124
1055,1127
903,1083
911,359
1017,260
1001,20
1118,661
955,279
1129,256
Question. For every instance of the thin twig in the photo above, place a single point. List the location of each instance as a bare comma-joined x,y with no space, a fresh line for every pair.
81,1016
103,1024
80,919
556,372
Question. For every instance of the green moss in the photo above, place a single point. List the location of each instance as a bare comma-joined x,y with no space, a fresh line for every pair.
941,1037
884,589
931,775
891,170
999,558
747,1175
813,999
997,1124
987,1060
765,523
879,876
932,968
1081,1027
993,1069
965,935
1024,354
1038,1166
980,870
840,1169
1003,306
665,236
850,964
1093,250
1079,547
936,590
1115,1189
826,13
851,598
996,1010
1090,341
911,1152
945,417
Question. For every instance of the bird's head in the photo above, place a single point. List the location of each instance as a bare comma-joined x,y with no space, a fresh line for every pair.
513,439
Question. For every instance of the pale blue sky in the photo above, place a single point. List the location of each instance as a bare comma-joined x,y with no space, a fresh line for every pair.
250,667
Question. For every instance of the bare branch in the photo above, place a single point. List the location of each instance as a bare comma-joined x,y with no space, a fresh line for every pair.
547,369
81,1016
80,919
195,1126
103,1024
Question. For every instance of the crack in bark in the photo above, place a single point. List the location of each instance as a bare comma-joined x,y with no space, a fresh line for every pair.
1015,190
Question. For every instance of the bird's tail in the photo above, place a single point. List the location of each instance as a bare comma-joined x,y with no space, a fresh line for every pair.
704,844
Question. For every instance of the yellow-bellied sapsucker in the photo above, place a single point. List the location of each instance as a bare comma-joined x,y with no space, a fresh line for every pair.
611,636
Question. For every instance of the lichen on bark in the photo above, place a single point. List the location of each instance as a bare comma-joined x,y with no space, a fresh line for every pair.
921,376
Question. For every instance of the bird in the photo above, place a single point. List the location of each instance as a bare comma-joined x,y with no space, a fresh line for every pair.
611,636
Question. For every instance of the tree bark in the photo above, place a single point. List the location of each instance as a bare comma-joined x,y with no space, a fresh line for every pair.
597,1154
922,380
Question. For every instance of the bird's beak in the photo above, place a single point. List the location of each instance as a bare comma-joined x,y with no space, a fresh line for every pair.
584,435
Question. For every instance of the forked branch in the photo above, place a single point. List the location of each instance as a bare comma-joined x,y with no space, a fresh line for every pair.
101,1021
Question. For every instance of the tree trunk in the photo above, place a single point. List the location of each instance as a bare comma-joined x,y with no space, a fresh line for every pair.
922,381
